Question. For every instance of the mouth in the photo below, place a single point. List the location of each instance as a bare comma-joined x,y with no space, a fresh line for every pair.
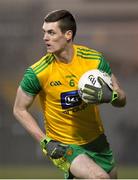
48,44
49,48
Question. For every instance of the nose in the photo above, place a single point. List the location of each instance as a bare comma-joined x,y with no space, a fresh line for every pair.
45,37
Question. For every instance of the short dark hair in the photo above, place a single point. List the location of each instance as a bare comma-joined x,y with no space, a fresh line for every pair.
65,18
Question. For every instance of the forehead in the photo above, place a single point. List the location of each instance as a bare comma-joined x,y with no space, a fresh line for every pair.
50,25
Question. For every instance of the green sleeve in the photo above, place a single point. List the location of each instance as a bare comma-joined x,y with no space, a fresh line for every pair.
30,83
104,66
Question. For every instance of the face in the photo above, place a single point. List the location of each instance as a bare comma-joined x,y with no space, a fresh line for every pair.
55,40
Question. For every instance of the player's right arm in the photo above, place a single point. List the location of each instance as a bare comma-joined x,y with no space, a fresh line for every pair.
22,103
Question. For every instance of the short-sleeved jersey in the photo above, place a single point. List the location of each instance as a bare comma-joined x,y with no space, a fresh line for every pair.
67,118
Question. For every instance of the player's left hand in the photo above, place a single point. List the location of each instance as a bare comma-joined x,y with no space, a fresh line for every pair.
95,95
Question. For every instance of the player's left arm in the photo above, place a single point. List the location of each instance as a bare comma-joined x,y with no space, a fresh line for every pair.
120,101
96,95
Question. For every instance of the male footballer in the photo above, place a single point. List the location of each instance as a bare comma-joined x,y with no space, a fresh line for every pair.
74,140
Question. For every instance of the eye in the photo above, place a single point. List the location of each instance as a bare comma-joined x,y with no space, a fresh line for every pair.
51,32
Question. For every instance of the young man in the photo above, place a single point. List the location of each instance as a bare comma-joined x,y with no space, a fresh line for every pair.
74,138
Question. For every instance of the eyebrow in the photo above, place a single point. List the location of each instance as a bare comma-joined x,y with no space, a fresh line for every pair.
49,30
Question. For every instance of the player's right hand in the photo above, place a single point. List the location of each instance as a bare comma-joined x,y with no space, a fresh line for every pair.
54,149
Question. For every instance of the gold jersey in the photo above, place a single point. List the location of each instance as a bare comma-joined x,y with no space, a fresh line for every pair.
67,118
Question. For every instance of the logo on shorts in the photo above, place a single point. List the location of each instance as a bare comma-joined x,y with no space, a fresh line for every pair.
69,152
70,99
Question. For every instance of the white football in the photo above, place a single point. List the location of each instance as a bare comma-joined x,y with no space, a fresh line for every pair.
91,78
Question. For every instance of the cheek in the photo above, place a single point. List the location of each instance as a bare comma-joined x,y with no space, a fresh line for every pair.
59,43
62,41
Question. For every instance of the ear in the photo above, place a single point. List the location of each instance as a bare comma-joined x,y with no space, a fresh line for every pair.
68,35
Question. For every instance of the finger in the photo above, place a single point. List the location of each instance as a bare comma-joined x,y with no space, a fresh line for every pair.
90,87
101,81
91,98
89,91
91,101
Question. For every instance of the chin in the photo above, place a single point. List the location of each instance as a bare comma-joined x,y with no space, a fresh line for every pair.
53,51
50,51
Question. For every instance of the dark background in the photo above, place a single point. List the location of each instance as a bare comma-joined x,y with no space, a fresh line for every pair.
108,26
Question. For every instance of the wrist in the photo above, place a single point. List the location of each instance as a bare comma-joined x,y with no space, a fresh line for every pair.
43,142
114,96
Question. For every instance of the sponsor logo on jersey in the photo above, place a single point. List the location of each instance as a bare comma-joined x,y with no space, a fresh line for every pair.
81,107
70,99
55,83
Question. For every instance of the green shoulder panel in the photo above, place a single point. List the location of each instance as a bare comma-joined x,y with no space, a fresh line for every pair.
104,65
91,54
88,54
30,83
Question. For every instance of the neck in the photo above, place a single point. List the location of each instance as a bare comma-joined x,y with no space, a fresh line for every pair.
65,55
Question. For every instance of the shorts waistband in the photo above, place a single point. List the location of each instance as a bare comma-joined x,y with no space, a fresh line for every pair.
98,144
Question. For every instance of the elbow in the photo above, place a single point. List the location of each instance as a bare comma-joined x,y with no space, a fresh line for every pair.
124,102
16,112
120,103
19,112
